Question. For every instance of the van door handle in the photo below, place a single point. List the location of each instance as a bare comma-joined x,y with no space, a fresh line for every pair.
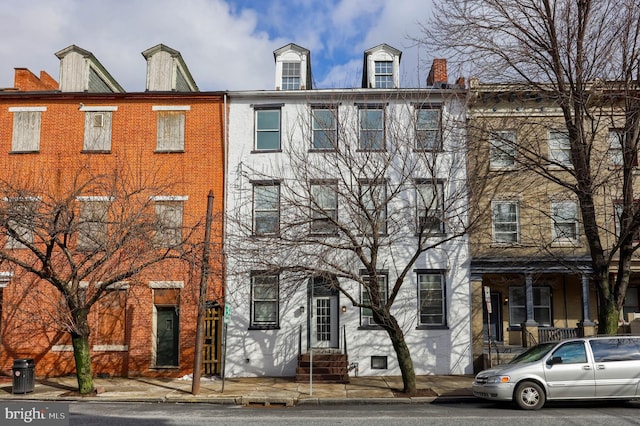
586,367
600,367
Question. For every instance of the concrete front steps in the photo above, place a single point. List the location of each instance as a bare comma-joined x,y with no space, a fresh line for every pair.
327,368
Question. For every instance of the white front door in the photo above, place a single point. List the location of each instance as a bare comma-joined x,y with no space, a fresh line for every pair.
324,322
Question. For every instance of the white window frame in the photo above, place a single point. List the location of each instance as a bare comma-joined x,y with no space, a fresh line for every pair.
97,138
168,231
559,149
383,74
495,223
26,229
291,75
92,233
502,147
171,123
560,220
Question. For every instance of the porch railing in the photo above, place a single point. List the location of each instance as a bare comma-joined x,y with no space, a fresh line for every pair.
548,334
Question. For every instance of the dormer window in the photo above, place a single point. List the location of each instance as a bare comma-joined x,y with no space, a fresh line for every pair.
384,74
291,76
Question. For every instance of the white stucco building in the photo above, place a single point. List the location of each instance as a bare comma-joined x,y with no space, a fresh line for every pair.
324,183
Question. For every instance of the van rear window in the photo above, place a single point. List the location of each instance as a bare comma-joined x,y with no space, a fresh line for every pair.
611,350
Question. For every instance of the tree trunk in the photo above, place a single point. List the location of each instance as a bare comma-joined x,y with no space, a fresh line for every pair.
82,350
608,317
82,357
404,357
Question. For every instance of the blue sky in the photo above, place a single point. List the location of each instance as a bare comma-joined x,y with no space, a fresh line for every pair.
227,44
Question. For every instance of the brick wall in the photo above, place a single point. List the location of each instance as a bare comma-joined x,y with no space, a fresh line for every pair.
27,328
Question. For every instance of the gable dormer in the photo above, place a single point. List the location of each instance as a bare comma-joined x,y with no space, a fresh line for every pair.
167,71
293,68
381,67
80,71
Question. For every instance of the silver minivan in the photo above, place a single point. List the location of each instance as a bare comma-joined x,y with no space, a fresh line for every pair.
585,368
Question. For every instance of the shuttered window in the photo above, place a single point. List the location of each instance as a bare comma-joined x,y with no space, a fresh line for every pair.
26,129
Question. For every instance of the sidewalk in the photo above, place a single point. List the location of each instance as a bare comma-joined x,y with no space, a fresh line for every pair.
246,391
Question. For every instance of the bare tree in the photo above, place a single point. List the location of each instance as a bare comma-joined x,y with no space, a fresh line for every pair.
357,207
86,238
582,57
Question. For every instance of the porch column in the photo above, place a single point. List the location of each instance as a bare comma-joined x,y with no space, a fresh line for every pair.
530,326
586,327
477,326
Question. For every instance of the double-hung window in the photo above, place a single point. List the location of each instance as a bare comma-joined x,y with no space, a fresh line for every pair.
324,122
429,205
26,128
541,306
428,129
373,200
502,147
169,212
371,120
622,229
112,315
559,149
564,216
431,299
92,222
366,313
266,208
324,207
291,76
267,135
506,228
264,301
383,74
97,128
171,124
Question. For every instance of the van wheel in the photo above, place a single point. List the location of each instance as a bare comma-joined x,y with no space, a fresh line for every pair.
529,396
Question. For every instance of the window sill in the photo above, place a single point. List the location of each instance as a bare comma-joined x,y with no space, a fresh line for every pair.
432,327
24,152
431,234
371,150
110,348
165,367
169,151
567,244
438,150
266,151
322,150
370,327
505,245
264,327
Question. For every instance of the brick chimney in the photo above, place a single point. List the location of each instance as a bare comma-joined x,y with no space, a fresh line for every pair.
438,73
26,81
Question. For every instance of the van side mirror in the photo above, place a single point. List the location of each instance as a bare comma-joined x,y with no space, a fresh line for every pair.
554,360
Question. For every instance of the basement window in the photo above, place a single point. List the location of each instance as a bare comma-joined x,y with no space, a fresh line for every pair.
378,362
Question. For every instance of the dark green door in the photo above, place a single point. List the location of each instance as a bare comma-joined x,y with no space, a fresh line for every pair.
167,336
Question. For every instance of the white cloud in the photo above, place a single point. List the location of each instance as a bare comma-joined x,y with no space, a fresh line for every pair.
226,44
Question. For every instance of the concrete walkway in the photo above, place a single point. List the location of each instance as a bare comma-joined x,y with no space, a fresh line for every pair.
245,391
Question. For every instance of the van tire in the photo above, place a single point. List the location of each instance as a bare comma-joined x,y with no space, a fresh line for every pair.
529,396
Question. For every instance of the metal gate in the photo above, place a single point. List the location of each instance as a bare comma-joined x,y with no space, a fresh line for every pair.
211,347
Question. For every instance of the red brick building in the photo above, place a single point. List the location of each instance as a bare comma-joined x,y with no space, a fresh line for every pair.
168,139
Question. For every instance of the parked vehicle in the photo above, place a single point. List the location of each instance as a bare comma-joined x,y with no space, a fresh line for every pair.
586,368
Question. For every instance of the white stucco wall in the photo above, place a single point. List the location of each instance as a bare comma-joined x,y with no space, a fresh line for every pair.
274,352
